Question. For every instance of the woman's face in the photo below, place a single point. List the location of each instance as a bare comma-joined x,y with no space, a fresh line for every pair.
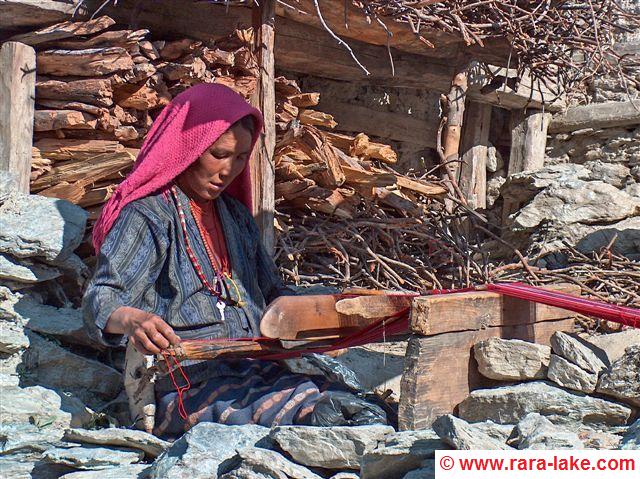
218,166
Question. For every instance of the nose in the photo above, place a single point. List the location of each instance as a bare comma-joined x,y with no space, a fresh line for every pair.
225,168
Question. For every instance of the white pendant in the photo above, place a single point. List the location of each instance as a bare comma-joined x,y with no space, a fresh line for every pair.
221,305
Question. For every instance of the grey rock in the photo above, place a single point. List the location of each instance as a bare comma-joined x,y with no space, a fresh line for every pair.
43,408
26,437
631,438
25,271
401,452
570,376
511,359
147,443
329,447
8,185
427,471
345,475
622,379
612,173
494,159
50,365
8,299
272,464
614,345
499,432
460,435
123,472
524,186
599,439
12,338
206,447
537,432
577,351
88,458
510,404
64,323
32,225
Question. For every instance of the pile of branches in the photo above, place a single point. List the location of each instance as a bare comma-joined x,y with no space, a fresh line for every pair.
567,41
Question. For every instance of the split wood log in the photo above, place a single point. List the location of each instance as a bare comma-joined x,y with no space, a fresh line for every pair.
305,100
127,39
71,105
316,118
75,150
528,140
475,142
65,30
141,96
94,91
84,63
178,48
47,120
216,57
17,92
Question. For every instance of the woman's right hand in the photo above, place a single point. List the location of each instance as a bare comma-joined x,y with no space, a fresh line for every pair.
148,332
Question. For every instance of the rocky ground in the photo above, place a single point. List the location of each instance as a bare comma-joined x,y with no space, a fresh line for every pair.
63,413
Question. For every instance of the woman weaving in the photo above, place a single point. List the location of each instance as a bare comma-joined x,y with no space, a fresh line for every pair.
180,257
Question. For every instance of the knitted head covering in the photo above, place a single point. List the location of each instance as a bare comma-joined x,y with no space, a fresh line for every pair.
183,131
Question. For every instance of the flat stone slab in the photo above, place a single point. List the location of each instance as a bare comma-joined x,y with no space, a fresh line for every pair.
511,359
201,452
329,447
631,438
622,379
401,453
25,271
131,471
37,226
570,376
537,432
613,345
577,351
151,445
460,435
510,404
91,457
12,338
262,463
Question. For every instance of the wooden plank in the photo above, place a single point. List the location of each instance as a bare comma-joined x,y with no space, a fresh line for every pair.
64,30
17,94
598,115
29,13
262,164
437,314
382,124
475,141
528,140
440,371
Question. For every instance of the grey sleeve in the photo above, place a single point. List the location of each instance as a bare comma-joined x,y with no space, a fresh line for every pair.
130,260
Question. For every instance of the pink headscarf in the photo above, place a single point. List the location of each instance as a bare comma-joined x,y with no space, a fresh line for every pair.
180,135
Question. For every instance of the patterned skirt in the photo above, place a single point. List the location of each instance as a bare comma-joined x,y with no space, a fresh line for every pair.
267,394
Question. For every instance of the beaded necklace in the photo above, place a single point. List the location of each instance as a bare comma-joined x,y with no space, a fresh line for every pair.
220,275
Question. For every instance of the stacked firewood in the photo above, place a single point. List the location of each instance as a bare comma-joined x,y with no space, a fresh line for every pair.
98,89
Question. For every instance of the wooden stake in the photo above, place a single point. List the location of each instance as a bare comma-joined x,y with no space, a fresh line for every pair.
262,164
473,169
455,114
528,139
17,95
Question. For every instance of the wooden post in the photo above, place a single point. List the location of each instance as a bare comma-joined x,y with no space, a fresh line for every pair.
17,99
453,109
475,142
262,166
528,139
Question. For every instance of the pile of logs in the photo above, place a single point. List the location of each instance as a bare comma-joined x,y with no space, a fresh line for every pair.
99,88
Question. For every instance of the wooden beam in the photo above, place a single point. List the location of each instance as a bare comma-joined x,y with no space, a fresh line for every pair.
475,141
17,103
387,125
262,165
437,314
598,115
305,47
528,140
397,35
30,13
445,329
